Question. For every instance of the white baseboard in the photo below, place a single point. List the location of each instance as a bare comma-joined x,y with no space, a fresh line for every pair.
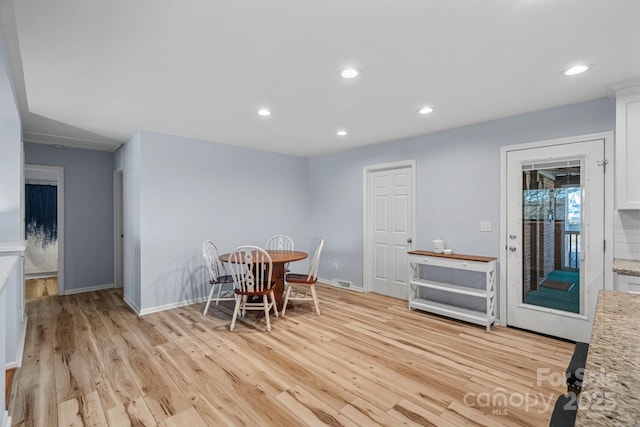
328,282
88,289
6,419
42,275
172,305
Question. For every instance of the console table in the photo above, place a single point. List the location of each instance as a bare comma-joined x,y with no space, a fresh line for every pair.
485,265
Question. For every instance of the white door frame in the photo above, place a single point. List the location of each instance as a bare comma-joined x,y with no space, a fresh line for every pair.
118,227
608,208
367,171
59,170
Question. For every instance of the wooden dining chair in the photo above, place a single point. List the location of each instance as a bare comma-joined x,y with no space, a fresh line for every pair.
279,242
218,276
302,287
251,268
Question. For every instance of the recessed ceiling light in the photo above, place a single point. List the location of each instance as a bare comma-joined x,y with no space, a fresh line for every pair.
341,133
264,112
425,110
349,73
576,69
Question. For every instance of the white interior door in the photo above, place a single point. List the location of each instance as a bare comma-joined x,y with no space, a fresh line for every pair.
390,228
555,237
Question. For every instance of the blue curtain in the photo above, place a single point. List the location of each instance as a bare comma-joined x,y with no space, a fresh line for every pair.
41,213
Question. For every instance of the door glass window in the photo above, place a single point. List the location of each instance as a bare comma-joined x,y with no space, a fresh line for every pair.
551,228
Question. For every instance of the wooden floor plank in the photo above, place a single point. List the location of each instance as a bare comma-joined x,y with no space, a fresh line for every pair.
85,411
131,414
190,418
41,287
310,410
35,402
367,360
160,393
206,394
72,371
412,414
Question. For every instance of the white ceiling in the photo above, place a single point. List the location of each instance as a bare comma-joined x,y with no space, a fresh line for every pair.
102,70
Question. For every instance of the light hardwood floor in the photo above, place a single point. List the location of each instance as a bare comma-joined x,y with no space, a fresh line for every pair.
365,361
41,287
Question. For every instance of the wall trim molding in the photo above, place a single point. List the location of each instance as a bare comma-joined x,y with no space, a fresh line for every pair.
66,141
165,307
328,283
89,289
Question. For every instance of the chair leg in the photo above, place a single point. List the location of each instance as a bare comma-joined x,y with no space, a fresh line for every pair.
236,309
265,301
286,299
315,298
244,305
219,293
206,307
275,304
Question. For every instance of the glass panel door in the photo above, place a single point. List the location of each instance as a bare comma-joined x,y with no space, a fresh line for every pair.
554,252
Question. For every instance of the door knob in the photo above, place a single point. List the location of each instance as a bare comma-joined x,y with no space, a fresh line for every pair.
512,248
512,236
409,240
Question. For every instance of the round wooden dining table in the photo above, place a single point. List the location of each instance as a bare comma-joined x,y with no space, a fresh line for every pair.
279,259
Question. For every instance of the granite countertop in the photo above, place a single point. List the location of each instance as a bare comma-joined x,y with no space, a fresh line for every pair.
627,267
611,387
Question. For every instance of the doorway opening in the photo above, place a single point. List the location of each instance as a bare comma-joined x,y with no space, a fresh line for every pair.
44,231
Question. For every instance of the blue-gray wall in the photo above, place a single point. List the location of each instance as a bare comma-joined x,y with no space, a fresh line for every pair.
88,212
458,182
192,190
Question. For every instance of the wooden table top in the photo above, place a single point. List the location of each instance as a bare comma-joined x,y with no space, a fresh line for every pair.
454,256
277,257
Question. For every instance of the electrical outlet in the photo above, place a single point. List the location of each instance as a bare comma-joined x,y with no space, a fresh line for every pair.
485,226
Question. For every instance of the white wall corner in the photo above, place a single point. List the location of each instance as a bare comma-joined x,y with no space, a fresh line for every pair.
132,305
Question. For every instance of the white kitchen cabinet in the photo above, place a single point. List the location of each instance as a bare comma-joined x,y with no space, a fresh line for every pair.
627,146
629,284
484,265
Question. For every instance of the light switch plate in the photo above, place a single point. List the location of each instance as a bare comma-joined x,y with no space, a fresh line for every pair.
485,226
